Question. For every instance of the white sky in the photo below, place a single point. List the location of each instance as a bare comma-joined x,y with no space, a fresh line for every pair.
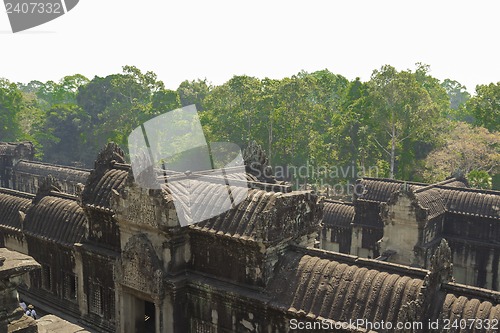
181,40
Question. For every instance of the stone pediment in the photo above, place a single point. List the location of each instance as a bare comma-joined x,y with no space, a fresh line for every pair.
143,207
140,268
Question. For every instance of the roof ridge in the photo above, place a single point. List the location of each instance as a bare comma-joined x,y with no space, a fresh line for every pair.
347,203
17,193
468,189
411,272
430,186
396,181
54,165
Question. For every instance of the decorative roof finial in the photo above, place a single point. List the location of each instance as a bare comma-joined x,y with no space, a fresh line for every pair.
47,185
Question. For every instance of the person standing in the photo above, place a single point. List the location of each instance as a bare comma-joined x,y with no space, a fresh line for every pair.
22,304
31,311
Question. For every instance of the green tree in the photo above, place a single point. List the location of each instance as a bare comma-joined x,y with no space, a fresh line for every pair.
456,92
10,106
329,134
267,105
479,179
464,149
350,128
51,93
194,92
458,97
119,103
31,118
164,100
434,88
485,106
39,100
63,132
231,111
403,110
294,118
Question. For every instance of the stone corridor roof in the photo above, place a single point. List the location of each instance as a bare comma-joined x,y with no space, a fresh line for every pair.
317,284
449,196
245,220
432,201
11,203
56,218
380,190
341,287
306,282
109,174
98,191
461,307
10,148
468,303
62,173
337,213
255,218
473,202
7,148
52,216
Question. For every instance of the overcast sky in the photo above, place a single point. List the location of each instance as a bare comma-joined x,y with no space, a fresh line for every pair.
181,40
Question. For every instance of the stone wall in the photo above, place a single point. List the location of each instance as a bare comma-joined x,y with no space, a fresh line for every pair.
12,266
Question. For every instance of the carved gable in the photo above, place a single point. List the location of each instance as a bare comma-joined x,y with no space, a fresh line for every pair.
141,269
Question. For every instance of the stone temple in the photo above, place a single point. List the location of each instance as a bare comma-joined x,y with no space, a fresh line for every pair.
404,222
113,256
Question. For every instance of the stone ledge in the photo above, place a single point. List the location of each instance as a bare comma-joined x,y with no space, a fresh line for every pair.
15,264
54,324
23,325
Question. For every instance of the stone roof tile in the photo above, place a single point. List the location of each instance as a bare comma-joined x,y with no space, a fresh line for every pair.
472,202
340,291
98,191
337,213
11,202
56,219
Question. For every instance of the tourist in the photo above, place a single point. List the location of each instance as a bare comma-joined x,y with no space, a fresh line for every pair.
31,311
22,304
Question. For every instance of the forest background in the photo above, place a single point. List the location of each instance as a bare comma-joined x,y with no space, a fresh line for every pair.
317,128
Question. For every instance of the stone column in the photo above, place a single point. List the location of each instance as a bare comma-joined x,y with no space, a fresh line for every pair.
158,314
12,266
80,278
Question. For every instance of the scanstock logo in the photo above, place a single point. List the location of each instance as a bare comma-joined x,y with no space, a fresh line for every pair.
26,14
204,179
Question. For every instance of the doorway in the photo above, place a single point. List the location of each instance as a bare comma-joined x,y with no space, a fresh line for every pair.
139,315
149,317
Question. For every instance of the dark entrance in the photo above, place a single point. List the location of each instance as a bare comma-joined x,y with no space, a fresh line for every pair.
149,317
140,314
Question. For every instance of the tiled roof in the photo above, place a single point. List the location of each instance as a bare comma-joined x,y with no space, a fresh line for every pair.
451,196
336,213
432,201
470,309
472,202
98,190
340,291
11,202
381,189
5,149
57,219
245,221
242,176
259,216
